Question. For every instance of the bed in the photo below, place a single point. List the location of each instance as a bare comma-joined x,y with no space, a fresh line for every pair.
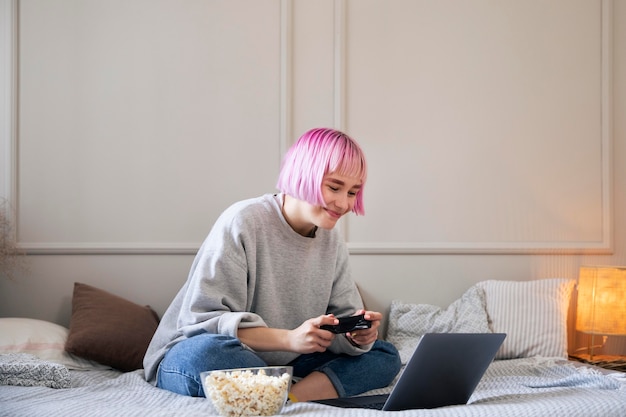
531,375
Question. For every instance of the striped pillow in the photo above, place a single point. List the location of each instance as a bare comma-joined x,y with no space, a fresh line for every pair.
533,314
409,322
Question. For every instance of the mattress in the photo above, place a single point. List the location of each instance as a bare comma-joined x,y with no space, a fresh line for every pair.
520,387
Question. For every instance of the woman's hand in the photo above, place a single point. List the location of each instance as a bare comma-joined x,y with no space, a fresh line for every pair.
309,338
366,336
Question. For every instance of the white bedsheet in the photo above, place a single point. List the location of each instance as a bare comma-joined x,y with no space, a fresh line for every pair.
523,387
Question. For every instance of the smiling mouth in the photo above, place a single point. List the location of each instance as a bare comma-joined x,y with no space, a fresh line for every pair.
334,214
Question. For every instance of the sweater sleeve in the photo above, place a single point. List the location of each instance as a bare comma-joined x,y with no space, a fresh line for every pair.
217,299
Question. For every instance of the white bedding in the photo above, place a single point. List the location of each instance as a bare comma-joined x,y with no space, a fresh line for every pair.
521,387
533,315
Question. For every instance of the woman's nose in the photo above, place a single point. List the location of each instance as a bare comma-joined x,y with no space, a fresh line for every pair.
342,202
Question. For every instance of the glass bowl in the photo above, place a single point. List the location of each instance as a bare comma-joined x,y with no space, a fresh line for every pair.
248,391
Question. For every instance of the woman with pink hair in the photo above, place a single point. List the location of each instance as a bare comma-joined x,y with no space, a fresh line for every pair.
270,277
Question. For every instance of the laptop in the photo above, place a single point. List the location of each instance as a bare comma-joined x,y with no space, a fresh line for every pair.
444,370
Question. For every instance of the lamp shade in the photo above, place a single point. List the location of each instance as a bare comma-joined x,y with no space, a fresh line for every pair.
601,307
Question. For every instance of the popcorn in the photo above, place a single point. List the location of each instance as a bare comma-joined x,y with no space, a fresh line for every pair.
246,393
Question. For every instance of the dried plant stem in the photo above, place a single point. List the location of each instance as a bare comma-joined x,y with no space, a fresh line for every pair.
11,257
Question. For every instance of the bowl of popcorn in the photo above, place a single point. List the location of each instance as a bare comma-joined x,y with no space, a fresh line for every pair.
248,391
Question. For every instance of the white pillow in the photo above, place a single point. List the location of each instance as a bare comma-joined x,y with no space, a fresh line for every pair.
42,339
409,322
533,314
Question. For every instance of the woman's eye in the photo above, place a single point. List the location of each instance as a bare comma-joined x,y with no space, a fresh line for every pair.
333,188
352,193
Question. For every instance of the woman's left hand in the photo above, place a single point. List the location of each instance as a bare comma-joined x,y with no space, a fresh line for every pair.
366,336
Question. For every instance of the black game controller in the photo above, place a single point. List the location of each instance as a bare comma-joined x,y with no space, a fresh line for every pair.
348,324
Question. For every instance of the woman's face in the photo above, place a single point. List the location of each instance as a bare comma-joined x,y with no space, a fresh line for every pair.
339,192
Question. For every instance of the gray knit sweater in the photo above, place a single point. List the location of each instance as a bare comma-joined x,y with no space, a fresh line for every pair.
254,270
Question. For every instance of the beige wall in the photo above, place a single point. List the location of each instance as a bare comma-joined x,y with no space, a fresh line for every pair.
493,137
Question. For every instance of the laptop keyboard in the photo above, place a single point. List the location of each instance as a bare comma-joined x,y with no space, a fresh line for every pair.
373,406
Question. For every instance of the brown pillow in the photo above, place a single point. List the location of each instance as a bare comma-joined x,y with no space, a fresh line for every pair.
109,329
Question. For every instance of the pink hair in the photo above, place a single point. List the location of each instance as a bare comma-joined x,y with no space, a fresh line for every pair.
316,153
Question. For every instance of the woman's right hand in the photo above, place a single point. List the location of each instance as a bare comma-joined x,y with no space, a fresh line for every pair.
309,338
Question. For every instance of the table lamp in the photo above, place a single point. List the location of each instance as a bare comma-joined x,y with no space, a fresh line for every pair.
601,308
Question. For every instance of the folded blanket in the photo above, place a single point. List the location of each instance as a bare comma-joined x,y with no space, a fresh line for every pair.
27,370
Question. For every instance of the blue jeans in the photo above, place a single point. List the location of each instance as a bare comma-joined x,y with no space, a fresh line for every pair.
179,371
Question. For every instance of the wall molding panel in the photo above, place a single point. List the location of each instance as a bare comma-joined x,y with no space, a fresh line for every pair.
66,214
456,205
